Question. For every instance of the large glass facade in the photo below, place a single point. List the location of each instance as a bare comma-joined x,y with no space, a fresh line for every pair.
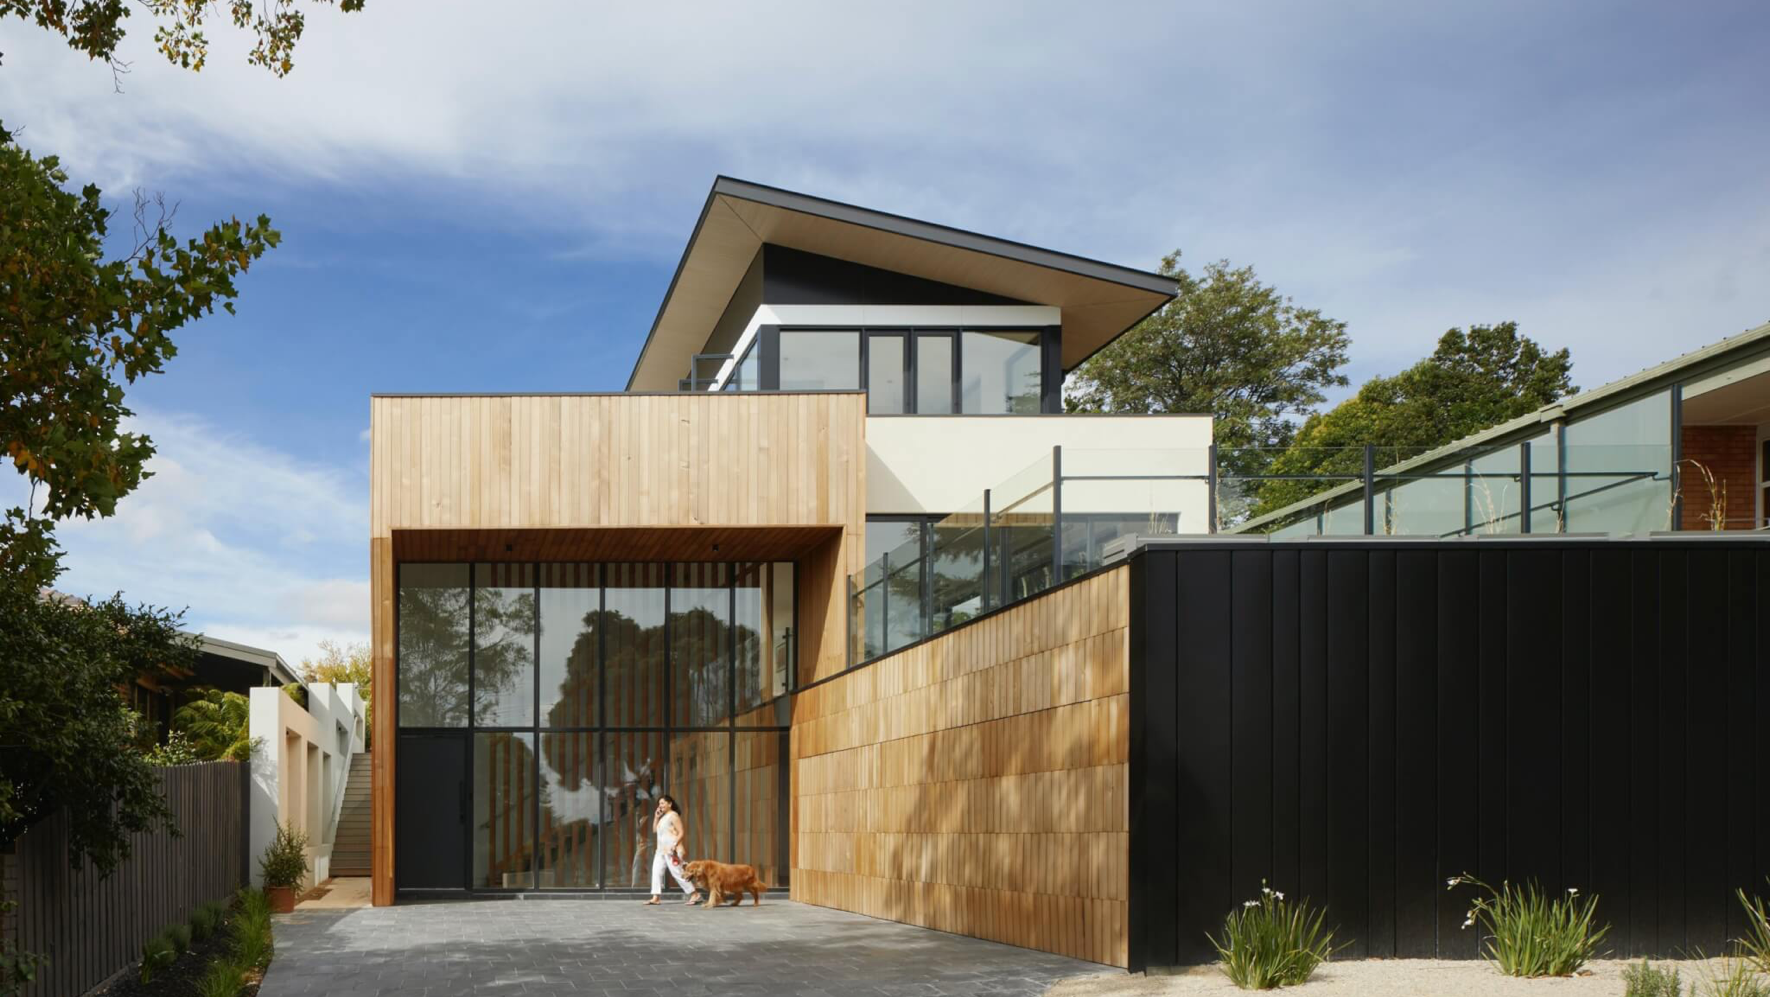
585,691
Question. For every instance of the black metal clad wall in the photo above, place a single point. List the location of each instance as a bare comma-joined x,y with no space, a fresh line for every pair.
1356,722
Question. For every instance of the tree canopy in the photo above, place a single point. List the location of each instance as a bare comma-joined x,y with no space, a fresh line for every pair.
97,27
67,739
76,326
1473,380
1228,346
339,663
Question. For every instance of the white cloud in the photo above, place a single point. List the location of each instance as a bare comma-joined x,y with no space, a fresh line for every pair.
257,546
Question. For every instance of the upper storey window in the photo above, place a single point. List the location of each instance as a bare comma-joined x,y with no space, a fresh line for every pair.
1001,373
908,371
819,361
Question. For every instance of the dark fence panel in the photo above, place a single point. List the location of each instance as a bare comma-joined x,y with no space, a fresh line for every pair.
1358,721
90,927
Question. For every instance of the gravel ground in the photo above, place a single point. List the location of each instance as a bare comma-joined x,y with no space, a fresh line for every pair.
1378,978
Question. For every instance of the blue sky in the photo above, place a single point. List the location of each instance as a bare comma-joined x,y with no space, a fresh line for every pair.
471,201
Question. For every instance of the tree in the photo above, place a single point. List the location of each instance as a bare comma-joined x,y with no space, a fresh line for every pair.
95,27
346,663
1228,346
74,327
1471,381
66,736
218,725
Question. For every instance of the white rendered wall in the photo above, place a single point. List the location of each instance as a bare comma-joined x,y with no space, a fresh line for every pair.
300,766
942,464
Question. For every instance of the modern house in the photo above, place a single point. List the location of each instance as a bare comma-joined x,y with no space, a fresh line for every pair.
838,574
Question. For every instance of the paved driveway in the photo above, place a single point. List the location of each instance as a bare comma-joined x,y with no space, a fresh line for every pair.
585,947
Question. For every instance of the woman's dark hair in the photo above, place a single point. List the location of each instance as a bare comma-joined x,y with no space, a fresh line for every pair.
674,808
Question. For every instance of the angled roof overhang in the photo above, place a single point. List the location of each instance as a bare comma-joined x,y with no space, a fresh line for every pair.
1099,300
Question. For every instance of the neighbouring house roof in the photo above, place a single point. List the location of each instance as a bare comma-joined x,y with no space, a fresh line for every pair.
1099,300
223,659
1698,363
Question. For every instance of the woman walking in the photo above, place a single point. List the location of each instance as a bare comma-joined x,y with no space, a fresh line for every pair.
668,821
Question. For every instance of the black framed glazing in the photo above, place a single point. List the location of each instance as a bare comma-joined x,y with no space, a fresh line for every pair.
918,338
578,744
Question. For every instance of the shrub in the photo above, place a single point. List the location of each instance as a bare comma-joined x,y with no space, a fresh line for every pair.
224,978
206,920
180,937
1727,977
252,942
1272,942
1755,946
1531,935
285,858
156,954
1647,980
178,750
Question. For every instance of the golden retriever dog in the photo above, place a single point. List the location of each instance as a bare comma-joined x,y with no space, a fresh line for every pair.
723,881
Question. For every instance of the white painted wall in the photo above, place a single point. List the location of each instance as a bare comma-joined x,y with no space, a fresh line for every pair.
942,464
299,769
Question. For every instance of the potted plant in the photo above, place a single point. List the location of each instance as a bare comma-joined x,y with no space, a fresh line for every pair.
284,867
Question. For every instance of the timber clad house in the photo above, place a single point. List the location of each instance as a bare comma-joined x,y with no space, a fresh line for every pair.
837,573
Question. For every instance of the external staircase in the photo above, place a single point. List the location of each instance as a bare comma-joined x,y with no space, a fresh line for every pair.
350,845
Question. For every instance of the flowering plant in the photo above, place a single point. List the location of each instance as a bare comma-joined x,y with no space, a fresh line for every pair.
1530,934
1272,942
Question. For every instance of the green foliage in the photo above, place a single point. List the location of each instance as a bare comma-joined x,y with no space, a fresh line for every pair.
95,27
1528,934
17,966
206,920
252,945
285,859
1228,346
1727,977
76,325
178,750
66,737
338,664
157,954
180,937
225,977
218,725
1272,942
1472,381
1647,980
1755,946
296,692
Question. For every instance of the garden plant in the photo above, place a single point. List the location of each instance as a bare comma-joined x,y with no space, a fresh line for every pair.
284,865
1648,980
1529,934
1273,942
1755,946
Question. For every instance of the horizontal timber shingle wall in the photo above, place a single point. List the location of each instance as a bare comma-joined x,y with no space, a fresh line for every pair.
1357,722
975,782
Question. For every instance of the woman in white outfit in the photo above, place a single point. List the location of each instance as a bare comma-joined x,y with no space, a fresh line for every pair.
668,821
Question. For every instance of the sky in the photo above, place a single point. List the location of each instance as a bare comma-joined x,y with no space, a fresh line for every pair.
492,197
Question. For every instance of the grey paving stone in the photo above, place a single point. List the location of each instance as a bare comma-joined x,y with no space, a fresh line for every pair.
601,948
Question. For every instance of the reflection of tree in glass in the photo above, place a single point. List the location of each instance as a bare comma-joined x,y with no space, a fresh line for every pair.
697,646
635,669
575,705
433,656
505,629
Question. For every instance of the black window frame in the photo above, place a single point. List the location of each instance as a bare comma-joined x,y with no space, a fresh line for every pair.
767,349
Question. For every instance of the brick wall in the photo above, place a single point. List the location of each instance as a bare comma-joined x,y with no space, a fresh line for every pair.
1730,454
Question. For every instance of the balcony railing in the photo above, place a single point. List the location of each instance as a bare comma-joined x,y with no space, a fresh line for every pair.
1054,519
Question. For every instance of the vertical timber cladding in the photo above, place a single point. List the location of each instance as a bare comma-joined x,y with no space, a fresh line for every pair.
617,461
1357,721
976,782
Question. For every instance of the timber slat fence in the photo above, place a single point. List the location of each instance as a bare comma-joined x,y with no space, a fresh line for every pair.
90,928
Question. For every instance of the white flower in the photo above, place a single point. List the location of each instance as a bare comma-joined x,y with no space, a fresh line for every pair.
1573,891
1452,882
1278,894
1250,903
1470,922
